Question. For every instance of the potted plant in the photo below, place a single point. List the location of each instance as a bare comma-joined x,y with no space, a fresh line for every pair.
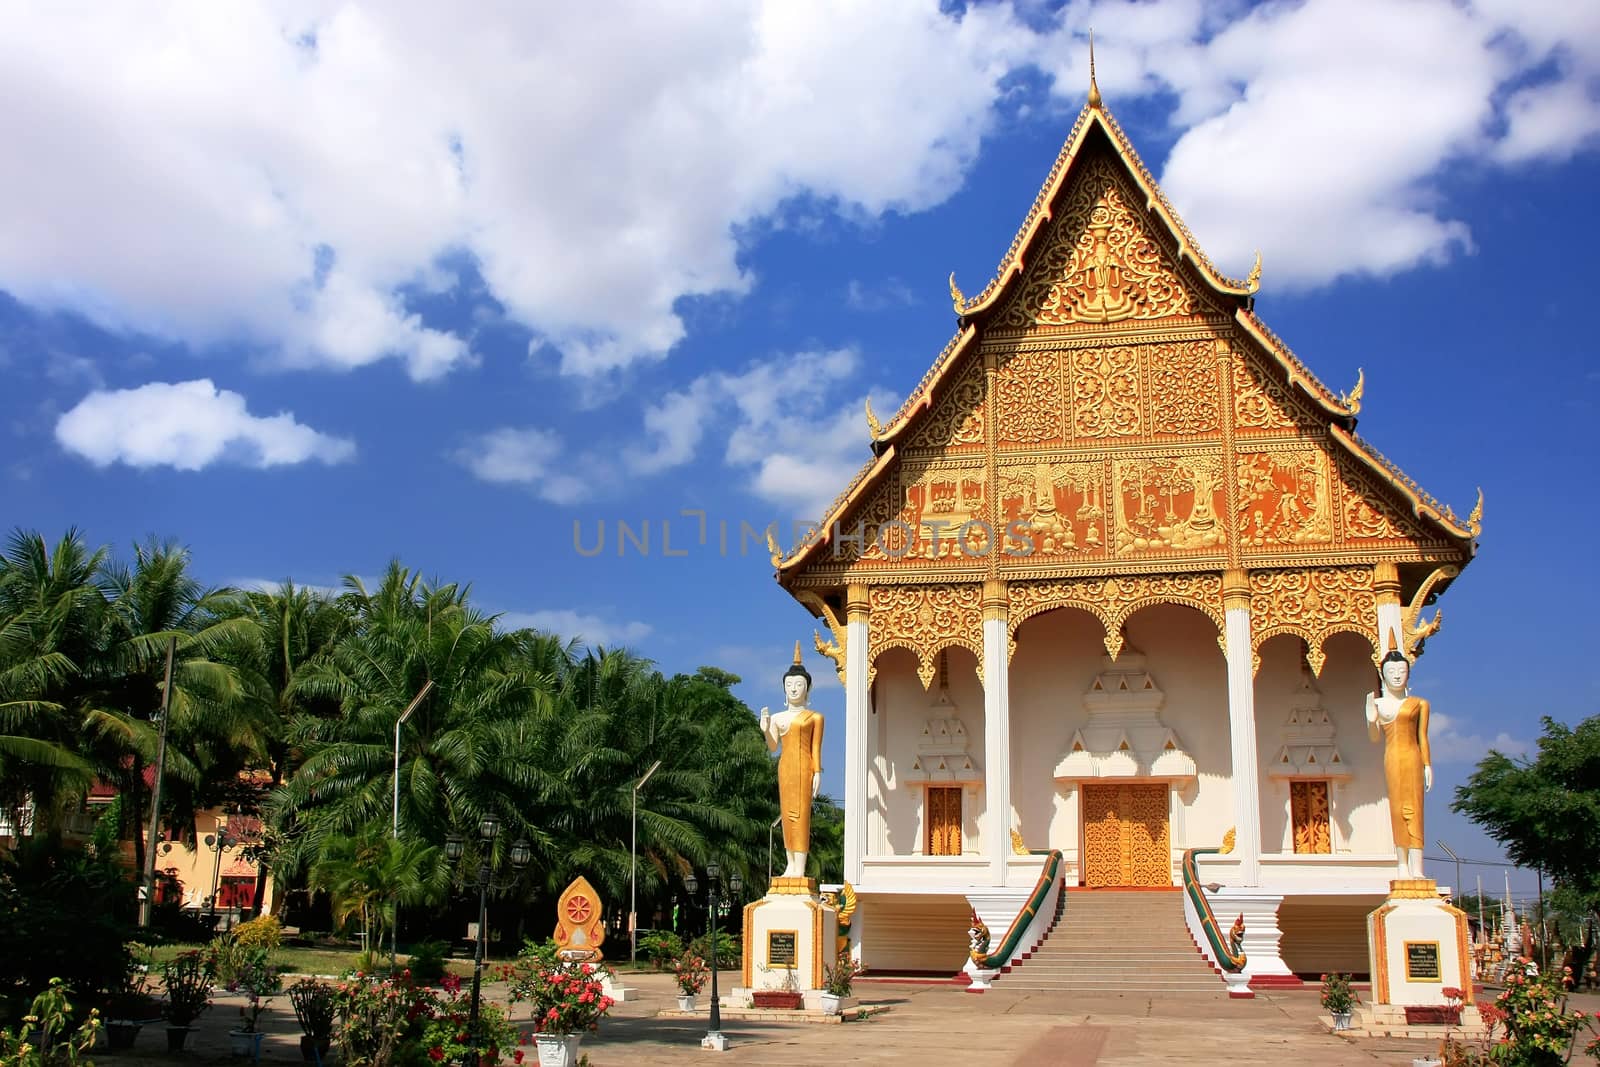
689,971
786,997
314,1008
130,1006
568,1000
837,983
1337,999
188,985
260,983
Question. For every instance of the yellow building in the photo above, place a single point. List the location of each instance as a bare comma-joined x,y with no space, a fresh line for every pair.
1118,545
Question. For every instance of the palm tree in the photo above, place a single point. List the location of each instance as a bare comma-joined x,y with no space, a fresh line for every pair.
367,876
218,720
50,614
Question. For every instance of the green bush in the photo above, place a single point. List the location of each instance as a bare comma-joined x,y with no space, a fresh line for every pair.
727,949
426,962
660,947
265,932
67,915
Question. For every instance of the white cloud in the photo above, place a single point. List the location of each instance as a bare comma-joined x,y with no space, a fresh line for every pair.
1448,744
879,296
796,427
285,173
189,425
590,630
1304,133
525,456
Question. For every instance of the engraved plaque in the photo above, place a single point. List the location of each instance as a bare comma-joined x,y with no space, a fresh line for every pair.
1422,961
782,948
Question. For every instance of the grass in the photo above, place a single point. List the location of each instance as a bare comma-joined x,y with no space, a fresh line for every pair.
336,961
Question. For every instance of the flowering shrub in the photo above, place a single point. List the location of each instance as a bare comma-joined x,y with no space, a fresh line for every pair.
448,1037
660,947
1538,1028
567,998
690,972
381,1019
1337,997
47,1037
265,932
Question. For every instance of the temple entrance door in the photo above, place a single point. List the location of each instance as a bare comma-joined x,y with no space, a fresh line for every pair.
1126,837
944,821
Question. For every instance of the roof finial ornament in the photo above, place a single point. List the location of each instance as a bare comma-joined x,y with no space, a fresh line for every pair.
1094,90
1253,283
1352,399
958,299
874,427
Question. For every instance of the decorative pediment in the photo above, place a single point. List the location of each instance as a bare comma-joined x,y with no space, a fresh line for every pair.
1101,259
1308,748
1124,737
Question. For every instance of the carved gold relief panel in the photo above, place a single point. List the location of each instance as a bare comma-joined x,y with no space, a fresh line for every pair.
1105,392
1366,513
1169,504
1101,262
1285,499
1184,392
1057,507
1314,604
925,619
956,422
1262,402
1030,402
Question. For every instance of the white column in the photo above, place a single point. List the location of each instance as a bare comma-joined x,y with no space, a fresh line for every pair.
1386,585
996,734
858,715
1242,727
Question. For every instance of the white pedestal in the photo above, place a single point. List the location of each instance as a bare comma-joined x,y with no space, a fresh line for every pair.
789,929
1417,947
619,993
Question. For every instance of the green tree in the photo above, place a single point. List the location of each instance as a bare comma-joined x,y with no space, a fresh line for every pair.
367,877
1545,811
51,613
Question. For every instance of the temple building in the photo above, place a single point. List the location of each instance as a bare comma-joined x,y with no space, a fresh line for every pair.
1113,584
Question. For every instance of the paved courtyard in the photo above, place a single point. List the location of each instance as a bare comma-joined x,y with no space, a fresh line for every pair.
926,1025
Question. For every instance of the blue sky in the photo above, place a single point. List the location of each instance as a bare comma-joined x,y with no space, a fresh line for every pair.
311,287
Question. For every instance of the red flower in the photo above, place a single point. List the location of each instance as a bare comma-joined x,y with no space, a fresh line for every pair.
518,1057
436,1053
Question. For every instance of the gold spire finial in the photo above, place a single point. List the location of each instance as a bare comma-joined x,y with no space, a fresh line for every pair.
1394,644
874,427
1475,520
1094,90
958,299
1253,283
797,662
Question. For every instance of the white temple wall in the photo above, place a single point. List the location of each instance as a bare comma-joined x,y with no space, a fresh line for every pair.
1359,816
1058,655
895,825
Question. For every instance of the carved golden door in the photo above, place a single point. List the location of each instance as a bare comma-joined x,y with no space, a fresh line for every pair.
944,821
1126,839
1308,808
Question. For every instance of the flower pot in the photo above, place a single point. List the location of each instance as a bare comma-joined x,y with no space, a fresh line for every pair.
782,999
314,1049
121,1032
245,1043
830,1003
686,1002
1341,1020
176,1036
557,1050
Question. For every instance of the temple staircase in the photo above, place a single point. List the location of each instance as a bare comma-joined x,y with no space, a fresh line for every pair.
1116,942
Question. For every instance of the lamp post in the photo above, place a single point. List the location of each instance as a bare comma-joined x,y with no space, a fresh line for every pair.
1455,890
633,869
221,839
521,853
394,934
713,1038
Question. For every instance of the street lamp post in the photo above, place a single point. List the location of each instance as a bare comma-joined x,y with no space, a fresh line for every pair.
1455,891
394,934
521,853
633,869
714,1038
221,839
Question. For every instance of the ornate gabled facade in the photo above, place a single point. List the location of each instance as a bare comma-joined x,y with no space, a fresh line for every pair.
1114,451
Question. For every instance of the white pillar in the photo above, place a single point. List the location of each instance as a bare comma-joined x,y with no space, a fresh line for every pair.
858,715
996,734
1242,727
1386,586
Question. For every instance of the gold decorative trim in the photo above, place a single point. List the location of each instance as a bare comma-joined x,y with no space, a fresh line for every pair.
1235,589
1313,604
857,602
1112,600
1386,582
1380,950
994,600
1416,631
926,619
792,887
1413,889
834,649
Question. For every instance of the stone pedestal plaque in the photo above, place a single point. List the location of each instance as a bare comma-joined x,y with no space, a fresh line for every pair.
1417,947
